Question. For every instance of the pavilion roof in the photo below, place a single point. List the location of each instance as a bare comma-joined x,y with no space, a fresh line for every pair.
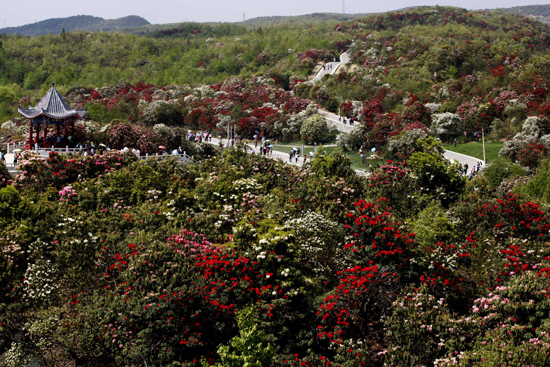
53,106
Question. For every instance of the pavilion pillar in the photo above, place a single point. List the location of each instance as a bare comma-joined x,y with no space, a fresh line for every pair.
30,135
45,129
37,133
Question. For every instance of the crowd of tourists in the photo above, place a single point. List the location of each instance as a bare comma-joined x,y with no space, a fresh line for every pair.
463,170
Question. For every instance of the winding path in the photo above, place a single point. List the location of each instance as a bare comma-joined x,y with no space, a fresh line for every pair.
462,159
331,67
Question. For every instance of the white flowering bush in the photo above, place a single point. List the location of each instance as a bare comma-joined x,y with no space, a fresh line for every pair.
433,107
515,109
406,142
314,129
529,134
247,185
417,329
151,110
342,140
90,126
40,279
165,132
15,128
445,125
16,356
317,239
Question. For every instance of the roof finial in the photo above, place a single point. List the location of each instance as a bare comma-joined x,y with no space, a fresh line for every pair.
53,84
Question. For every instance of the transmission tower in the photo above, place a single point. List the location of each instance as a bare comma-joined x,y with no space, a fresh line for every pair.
343,6
244,16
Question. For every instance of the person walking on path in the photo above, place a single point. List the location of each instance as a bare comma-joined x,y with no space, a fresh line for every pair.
455,143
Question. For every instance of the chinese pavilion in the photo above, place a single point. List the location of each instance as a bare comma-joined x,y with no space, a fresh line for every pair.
52,110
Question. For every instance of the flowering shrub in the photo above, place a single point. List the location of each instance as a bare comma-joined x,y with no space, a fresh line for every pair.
445,125
66,193
531,155
59,170
5,177
123,135
314,130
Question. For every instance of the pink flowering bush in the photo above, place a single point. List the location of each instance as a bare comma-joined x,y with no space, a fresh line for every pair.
121,135
60,170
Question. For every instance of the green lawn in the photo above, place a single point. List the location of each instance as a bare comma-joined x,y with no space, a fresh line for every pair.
475,149
354,156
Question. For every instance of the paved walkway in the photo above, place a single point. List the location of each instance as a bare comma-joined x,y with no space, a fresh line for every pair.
333,121
277,155
331,67
462,159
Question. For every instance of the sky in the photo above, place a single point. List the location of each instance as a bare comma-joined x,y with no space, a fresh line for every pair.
15,13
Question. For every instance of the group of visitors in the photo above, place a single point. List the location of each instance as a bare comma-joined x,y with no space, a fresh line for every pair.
294,154
199,137
343,119
475,135
463,170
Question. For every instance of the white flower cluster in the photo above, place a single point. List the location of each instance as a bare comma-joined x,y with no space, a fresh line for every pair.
246,185
40,279
164,131
530,134
16,356
154,194
406,140
446,123
150,110
433,107
16,130
90,126
314,232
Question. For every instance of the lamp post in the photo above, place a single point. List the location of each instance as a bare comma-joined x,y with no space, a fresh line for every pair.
483,141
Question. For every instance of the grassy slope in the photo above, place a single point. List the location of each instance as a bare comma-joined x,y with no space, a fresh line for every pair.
475,149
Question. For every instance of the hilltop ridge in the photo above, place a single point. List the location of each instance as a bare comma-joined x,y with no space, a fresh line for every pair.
77,22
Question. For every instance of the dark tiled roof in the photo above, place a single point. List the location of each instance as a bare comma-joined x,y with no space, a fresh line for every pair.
53,106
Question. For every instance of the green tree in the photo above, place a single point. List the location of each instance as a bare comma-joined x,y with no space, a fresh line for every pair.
500,169
250,348
314,129
437,177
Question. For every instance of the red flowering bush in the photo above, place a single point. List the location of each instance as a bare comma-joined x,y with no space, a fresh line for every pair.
60,170
531,155
349,319
5,177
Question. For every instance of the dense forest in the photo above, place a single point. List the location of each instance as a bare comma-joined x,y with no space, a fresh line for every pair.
237,259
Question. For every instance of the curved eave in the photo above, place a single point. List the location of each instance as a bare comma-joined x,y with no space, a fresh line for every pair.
28,113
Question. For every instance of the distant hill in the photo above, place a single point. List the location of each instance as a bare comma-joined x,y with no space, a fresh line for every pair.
78,22
138,25
539,12
307,18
